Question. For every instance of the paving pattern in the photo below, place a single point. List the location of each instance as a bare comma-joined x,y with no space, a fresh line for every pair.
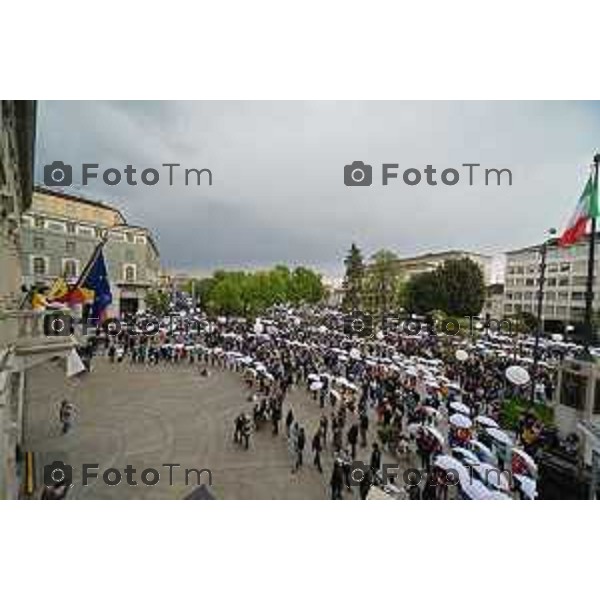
147,416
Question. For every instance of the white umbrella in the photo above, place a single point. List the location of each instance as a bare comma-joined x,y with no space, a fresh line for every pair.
517,375
461,421
460,407
528,460
355,353
487,421
447,463
464,455
474,490
499,436
461,355
435,433
315,386
527,485
314,377
492,476
483,452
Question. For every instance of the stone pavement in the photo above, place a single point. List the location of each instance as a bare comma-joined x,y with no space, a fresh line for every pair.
146,416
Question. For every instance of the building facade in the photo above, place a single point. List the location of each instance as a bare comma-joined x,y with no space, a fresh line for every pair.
60,232
423,263
565,283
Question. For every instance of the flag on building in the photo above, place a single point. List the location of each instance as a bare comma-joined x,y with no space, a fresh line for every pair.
587,208
96,281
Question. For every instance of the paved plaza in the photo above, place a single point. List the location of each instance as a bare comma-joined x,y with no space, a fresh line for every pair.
146,416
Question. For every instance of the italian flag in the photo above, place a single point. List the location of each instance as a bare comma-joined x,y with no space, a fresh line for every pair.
587,208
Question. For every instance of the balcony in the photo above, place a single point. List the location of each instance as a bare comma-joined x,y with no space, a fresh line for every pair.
22,333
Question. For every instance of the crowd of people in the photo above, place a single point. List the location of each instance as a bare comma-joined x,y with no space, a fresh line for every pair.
390,392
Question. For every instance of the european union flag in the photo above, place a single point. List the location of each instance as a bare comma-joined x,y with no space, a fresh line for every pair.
97,281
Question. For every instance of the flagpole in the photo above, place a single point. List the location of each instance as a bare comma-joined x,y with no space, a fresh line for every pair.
589,294
91,261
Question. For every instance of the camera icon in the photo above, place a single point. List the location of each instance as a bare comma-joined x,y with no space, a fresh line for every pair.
358,324
58,472
58,173
357,173
358,470
58,325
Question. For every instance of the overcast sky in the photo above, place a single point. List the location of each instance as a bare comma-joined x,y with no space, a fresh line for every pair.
278,194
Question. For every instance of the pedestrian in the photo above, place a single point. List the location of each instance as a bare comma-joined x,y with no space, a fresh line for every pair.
289,419
66,416
337,480
352,437
375,462
300,443
364,426
317,448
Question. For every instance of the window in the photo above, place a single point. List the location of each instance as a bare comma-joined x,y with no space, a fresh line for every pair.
551,282
527,296
563,295
508,308
129,273
38,243
39,265
88,231
553,268
577,296
70,247
579,280
529,282
129,237
71,227
563,281
38,221
561,311
70,268
509,296
511,270
565,267
119,237
140,239
550,295
518,295
520,270
56,226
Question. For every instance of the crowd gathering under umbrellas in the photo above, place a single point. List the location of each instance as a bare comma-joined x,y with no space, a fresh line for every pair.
433,402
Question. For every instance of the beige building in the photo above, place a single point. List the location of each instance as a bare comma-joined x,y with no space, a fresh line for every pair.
564,290
60,233
423,263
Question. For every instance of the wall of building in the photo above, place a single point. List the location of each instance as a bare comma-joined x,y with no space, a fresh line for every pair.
564,290
63,246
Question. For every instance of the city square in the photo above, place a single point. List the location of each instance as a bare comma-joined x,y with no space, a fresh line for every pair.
283,347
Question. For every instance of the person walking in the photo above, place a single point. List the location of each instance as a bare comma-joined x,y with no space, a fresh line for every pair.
317,448
300,443
66,416
352,437
337,480
375,462
289,419
364,426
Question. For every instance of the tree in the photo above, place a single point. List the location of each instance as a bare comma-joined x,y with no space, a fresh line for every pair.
306,286
157,302
462,287
353,279
380,283
422,293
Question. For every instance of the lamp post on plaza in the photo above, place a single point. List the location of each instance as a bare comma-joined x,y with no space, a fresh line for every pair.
540,301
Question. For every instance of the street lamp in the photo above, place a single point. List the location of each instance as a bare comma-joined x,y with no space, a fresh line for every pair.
540,300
